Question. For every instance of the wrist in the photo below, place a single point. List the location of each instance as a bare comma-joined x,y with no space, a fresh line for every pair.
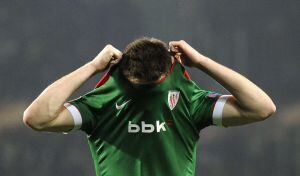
202,61
92,67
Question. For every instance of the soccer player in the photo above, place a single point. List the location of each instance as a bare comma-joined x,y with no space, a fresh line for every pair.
144,116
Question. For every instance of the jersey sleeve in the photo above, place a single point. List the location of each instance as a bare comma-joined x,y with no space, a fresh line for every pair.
207,107
83,113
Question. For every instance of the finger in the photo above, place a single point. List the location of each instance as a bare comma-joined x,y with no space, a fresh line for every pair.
112,62
178,57
174,43
115,61
179,60
174,49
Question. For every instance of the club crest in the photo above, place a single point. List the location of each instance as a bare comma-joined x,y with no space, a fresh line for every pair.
173,97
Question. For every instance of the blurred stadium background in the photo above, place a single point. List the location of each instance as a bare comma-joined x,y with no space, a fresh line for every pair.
41,41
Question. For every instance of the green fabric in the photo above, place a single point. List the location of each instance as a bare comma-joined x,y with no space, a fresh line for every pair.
169,152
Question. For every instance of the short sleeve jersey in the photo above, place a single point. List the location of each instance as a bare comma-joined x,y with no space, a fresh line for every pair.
144,130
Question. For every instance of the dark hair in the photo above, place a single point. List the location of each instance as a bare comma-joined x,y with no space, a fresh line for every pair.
145,59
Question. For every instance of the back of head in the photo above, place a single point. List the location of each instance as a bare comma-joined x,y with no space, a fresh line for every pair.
145,60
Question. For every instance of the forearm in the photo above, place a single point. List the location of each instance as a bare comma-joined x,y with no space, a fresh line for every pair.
46,112
50,102
249,96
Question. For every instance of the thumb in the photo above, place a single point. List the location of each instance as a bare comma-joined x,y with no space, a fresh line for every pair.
174,43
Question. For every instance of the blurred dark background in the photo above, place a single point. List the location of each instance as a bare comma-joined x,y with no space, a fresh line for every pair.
40,41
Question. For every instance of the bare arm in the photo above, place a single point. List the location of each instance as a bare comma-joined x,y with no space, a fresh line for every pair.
248,102
47,111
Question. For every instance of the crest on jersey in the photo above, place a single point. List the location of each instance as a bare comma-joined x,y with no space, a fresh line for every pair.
173,98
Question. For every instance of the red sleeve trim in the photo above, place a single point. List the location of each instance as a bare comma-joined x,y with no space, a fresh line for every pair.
187,75
103,80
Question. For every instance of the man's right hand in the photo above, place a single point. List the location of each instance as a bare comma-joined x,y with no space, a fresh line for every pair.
47,111
107,57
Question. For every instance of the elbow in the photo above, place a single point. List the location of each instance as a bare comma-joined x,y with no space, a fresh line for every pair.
30,120
268,111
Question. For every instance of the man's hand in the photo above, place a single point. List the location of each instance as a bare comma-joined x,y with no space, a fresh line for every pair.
183,52
47,111
107,57
247,104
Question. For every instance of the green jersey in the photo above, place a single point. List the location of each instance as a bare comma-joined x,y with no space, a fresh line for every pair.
149,130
